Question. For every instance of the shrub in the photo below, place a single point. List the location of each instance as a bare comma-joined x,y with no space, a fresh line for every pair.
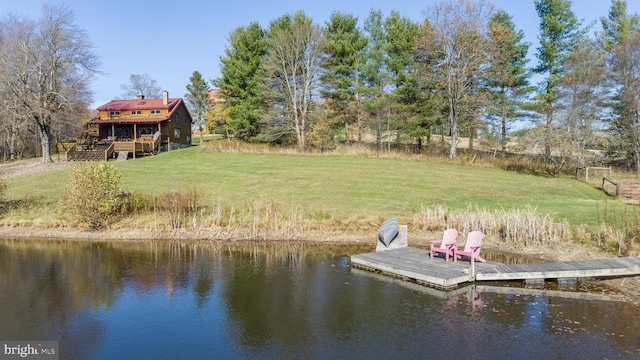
92,194
179,206
137,202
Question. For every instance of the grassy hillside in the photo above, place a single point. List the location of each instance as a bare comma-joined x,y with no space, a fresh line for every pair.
341,186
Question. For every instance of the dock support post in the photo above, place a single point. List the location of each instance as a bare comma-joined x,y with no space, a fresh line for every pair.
567,283
534,283
472,272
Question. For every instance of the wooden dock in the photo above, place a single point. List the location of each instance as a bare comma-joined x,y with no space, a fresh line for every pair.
470,288
414,264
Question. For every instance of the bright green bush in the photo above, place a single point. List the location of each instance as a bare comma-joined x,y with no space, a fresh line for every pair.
92,194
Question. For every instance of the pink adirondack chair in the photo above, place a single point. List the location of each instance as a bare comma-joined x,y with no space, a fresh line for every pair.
471,247
446,245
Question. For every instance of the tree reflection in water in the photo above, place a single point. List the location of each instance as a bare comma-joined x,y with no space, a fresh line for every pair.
154,299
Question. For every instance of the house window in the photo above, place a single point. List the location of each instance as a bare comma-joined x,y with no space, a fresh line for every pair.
154,112
136,112
176,133
177,118
114,113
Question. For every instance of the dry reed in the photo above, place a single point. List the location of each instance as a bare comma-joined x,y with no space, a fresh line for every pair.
516,227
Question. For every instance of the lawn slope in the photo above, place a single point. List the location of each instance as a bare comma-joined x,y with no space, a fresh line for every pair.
340,186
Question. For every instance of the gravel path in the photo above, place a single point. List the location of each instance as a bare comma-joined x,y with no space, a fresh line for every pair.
29,166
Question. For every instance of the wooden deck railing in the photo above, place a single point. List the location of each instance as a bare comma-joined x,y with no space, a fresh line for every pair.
145,144
108,153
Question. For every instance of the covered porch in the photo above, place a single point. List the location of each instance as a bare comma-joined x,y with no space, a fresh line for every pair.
143,145
137,139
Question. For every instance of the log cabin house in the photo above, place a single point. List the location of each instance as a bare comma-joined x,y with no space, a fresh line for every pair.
135,127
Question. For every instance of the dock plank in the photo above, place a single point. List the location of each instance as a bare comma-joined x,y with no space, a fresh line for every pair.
569,269
414,264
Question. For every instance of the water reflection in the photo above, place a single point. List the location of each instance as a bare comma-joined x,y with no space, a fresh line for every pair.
162,300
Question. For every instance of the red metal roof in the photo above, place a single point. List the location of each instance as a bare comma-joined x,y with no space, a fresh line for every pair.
138,104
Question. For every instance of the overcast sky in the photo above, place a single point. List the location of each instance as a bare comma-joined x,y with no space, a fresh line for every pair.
169,40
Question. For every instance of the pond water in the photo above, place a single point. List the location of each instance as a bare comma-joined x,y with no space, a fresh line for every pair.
160,300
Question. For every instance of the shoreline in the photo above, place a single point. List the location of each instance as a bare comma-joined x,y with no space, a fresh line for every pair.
627,289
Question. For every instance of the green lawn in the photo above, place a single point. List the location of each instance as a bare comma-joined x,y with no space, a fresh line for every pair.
341,185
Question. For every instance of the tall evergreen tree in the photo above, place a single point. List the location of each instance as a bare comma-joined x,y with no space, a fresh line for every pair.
197,97
507,76
400,35
342,69
241,78
560,33
376,77
619,25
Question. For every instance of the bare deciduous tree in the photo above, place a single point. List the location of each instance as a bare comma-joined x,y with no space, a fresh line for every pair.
13,121
624,60
141,85
46,66
582,95
292,70
621,40
452,47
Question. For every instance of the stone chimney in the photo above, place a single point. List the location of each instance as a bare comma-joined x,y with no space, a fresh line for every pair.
165,97
140,97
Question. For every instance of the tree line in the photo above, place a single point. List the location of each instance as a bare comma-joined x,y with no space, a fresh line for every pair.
462,71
